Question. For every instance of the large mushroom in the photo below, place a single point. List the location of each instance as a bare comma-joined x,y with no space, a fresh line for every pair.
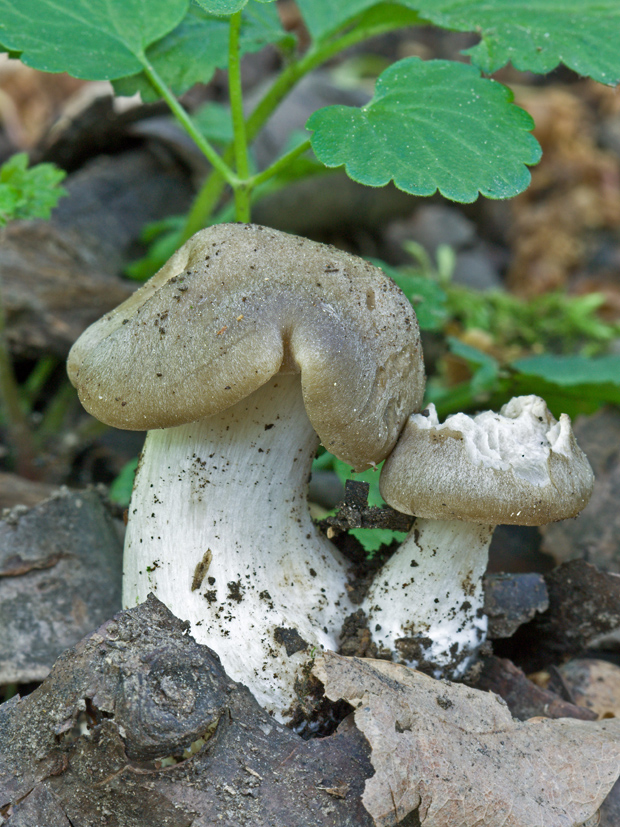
461,479
245,346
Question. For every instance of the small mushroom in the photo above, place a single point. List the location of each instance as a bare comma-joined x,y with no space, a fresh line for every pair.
461,479
246,345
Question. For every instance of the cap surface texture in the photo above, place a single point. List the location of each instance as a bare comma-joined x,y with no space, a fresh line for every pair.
236,305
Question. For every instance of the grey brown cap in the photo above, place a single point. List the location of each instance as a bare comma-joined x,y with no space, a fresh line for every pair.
234,306
518,467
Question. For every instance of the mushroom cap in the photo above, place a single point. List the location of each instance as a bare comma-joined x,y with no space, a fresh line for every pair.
239,303
518,467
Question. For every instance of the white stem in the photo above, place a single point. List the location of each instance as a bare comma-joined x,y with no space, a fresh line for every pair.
219,530
425,606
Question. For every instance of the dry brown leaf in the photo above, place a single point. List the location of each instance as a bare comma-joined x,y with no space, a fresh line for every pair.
457,755
594,684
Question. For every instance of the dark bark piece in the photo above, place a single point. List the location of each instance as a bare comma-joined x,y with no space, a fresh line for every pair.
60,577
510,600
354,512
95,129
610,809
595,534
60,276
525,699
517,549
584,604
16,490
90,741
39,807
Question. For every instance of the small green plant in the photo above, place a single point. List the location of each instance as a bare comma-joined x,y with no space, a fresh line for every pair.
28,192
434,125
553,345
25,193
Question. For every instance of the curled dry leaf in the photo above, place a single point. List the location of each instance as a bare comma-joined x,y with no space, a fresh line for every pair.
455,753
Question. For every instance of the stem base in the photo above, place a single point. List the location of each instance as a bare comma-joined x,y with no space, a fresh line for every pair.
425,607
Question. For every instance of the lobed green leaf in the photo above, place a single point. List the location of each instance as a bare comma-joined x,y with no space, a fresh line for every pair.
322,17
199,45
226,7
90,39
434,125
573,370
222,7
214,122
537,35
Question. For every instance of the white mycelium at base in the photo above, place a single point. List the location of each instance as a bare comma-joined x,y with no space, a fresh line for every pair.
425,605
219,530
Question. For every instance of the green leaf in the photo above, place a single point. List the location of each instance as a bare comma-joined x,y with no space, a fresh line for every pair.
324,17
226,7
573,370
222,7
90,39
261,25
431,126
569,384
486,368
214,122
373,538
199,45
537,35
9,200
122,486
27,193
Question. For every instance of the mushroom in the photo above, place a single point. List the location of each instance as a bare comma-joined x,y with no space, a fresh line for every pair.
245,346
461,479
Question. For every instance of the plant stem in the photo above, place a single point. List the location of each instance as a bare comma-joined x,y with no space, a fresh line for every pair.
211,192
205,203
242,192
188,124
278,165
39,375
56,412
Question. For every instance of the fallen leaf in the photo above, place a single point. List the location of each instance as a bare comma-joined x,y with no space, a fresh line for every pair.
457,756
594,684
